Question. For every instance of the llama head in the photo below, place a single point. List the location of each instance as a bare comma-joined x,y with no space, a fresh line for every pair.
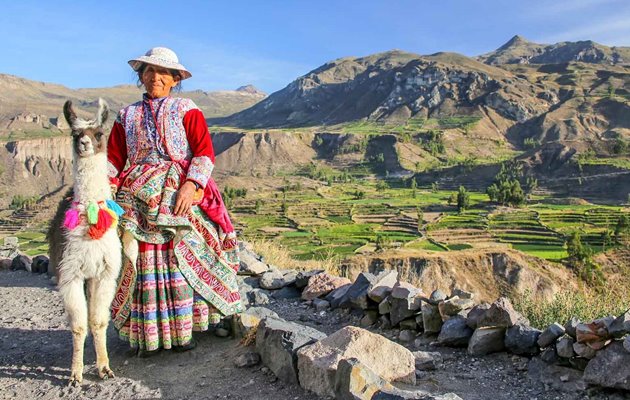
88,135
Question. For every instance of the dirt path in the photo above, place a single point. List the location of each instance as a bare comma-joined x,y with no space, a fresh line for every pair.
35,351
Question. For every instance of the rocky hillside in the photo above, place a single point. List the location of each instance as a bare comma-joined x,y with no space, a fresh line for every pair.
519,50
27,105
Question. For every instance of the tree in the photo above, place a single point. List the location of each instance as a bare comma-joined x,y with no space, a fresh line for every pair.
607,239
622,228
258,206
452,199
420,218
463,199
576,249
359,194
414,186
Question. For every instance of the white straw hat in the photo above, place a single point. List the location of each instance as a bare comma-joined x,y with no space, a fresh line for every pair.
162,57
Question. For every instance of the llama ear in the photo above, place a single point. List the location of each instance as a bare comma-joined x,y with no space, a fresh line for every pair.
103,112
68,112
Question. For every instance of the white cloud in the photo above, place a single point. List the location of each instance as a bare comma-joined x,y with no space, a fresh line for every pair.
612,31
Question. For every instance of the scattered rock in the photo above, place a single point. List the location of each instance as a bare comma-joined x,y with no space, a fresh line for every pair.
384,322
403,308
302,278
259,297
584,351
320,304
21,262
455,332
453,306
357,294
318,362
248,359
5,263
436,297
336,296
369,319
564,347
550,375
550,335
549,355
289,276
428,361
272,280
383,285
250,318
431,318
222,332
522,340
610,368
249,265
486,340
475,314
287,292
407,335
384,307
570,326
278,341
323,284
354,380
626,344
620,326
594,334
500,314
462,294
409,323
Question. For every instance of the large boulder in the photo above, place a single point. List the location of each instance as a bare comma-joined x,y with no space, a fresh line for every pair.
486,340
336,296
454,306
383,285
272,280
322,284
248,320
21,262
610,368
357,294
550,335
475,314
318,362
277,342
500,314
302,278
431,318
522,340
620,326
250,265
455,332
405,301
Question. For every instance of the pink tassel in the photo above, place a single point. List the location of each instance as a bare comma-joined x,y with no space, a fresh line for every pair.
71,220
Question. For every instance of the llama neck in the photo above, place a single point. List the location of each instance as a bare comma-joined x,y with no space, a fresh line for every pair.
90,179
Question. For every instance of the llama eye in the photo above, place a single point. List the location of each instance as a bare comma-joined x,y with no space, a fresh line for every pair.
99,135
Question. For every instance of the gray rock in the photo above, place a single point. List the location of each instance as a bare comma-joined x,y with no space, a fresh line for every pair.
550,335
564,347
626,344
222,332
564,379
431,318
357,294
384,307
409,323
354,380
248,359
407,335
462,294
11,241
584,351
250,265
522,340
272,280
21,262
40,264
578,363
486,340
287,292
569,327
277,342
252,281
384,322
301,280
549,355
420,322
620,326
289,276
500,314
404,291
436,297
454,306
428,361
455,333
401,309
248,320
336,296
259,297
383,285
369,319
610,368
320,304
475,314
398,394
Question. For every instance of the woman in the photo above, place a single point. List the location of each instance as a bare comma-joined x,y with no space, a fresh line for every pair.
179,248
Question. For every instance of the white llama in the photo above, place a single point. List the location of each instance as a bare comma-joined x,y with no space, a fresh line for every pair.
85,247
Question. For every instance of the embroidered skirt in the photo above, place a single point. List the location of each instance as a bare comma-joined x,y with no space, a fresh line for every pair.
181,276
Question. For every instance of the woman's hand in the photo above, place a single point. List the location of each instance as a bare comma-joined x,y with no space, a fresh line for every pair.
185,196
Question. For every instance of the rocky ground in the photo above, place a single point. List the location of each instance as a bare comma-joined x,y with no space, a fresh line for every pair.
35,351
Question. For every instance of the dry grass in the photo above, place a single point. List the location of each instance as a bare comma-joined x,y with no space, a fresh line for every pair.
584,304
276,254
250,338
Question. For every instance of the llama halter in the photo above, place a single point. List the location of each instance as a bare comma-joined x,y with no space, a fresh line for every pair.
100,216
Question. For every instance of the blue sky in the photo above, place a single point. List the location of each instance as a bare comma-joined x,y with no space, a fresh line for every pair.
269,43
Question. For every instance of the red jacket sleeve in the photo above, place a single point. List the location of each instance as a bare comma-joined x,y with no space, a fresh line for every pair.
116,152
202,163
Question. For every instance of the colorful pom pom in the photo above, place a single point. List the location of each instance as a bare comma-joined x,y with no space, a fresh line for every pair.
71,219
103,222
112,205
92,213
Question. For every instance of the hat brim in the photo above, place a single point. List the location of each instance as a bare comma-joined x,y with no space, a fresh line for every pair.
136,63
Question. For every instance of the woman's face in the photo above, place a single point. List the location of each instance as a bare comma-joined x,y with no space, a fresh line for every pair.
158,81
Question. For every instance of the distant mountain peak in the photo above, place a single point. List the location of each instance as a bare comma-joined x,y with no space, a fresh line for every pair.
516,40
251,89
